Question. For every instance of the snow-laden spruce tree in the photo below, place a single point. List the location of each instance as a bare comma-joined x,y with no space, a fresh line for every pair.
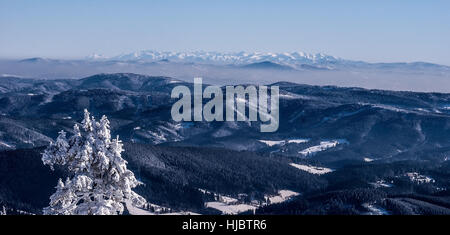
99,180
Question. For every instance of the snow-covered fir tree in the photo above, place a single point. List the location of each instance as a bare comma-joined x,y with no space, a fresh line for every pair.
99,181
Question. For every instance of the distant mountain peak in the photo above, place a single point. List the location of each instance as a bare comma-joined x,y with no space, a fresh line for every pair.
267,65
34,60
96,56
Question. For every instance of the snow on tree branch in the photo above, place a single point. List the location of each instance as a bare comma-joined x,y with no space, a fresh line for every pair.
99,180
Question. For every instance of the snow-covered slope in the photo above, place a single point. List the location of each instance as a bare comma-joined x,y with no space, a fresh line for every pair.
232,206
312,169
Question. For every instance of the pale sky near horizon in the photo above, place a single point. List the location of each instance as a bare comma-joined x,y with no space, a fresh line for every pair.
373,31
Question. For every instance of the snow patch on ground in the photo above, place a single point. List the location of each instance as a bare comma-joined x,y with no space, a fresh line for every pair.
418,178
178,126
374,210
272,143
297,141
6,145
324,145
382,184
388,107
230,209
283,195
157,210
312,169
291,96
158,136
231,206
220,198
135,210
286,96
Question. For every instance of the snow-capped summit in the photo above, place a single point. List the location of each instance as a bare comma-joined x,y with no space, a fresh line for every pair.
96,56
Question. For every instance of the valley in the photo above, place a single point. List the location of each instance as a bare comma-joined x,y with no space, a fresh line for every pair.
338,150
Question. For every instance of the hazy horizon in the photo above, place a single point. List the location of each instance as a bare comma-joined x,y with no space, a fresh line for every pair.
86,57
381,31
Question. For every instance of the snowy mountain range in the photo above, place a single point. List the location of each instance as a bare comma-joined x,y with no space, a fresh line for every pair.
244,67
224,58
295,59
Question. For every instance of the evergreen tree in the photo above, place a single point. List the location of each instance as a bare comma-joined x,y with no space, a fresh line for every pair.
99,180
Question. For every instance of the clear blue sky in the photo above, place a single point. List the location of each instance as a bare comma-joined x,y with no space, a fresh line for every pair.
386,30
